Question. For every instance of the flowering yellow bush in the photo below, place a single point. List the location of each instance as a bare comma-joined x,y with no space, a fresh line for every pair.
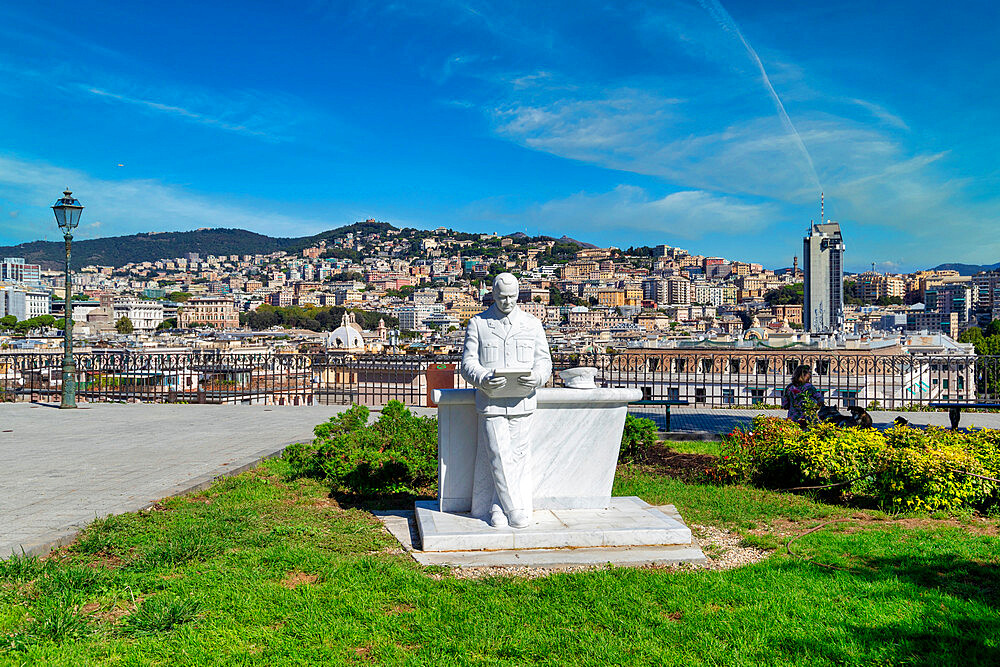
902,468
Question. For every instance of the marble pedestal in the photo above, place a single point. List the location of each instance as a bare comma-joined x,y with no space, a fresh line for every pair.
626,522
575,438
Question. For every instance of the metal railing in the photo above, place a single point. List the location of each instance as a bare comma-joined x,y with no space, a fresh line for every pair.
703,378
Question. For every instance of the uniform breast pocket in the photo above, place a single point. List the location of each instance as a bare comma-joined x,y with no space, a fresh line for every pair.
490,353
525,351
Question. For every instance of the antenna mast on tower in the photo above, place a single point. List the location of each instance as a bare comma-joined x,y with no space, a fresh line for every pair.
821,218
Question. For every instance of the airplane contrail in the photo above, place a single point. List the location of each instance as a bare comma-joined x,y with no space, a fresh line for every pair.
727,23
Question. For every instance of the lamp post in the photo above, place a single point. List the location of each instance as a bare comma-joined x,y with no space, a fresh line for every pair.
67,211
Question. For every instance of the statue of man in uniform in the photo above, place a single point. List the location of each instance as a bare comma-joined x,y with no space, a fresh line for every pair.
506,338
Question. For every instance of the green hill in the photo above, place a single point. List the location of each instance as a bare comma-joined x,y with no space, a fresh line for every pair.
121,250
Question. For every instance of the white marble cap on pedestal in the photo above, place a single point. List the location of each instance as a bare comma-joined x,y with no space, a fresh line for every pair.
575,435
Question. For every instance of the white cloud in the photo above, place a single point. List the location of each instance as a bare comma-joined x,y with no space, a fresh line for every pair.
176,111
882,114
707,123
609,128
689,214
267,115
889,266
129,206
870,177
270,116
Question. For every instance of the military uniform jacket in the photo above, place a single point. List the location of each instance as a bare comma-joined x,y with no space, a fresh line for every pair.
489,346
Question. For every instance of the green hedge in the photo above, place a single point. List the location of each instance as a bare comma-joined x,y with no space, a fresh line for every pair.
899,469
395,454
398,452
638,436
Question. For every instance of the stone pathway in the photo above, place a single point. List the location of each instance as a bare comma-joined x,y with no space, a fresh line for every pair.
61,469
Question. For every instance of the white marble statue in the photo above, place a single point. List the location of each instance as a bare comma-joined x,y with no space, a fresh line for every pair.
506,357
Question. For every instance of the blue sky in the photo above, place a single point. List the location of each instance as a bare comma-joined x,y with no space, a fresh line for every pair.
709,126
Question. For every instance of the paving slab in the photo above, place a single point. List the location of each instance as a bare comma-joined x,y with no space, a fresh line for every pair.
61,469
402,525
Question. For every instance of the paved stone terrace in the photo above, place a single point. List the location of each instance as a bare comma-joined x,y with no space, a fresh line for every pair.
61,469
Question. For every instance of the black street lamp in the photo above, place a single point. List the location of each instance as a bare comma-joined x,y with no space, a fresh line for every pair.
67,211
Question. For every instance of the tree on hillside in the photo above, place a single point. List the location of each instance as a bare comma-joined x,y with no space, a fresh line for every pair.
987,343
970,335
402,293
325,318
124,325
34,323
852,295
179,297
785,295
7,322
640,251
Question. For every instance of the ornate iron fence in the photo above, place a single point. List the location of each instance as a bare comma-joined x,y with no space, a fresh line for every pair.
701,377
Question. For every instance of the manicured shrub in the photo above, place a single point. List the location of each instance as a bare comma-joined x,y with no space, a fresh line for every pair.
395,454
398,452
903,468
638,436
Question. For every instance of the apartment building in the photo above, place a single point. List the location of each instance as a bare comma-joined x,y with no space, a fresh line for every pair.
987,292
611,298
678,290
946,323
16,270
144,315
584,318
873,286
412,316
791,313
951,298
219,312
24,303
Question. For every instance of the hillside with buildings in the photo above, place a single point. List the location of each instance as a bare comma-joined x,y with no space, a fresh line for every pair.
432,281
660,312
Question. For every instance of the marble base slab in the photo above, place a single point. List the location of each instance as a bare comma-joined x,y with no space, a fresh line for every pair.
618,556
627,522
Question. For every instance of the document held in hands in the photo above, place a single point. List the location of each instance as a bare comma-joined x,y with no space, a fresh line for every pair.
513,388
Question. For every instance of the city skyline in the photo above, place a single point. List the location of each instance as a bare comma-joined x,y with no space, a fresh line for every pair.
709,126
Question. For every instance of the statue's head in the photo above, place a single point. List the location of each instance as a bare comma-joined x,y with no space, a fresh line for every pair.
505,291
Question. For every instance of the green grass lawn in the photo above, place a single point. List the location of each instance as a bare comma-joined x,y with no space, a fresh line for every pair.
260,570
695,446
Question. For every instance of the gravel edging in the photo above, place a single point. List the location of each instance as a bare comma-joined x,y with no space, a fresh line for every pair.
722,548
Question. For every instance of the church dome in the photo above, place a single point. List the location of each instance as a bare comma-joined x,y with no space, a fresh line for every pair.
346,336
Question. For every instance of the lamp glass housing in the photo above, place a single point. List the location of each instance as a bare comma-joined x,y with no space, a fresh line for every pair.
67,211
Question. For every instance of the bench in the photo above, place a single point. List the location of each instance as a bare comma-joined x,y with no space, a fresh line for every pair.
955,410
666,407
